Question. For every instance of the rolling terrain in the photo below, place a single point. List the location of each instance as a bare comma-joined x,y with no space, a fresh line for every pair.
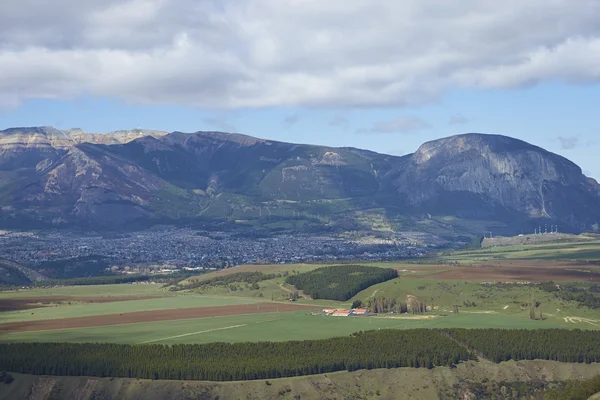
519,379
250,304
52,178
490,286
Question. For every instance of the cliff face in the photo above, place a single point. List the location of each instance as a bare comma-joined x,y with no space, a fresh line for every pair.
476,174
73,178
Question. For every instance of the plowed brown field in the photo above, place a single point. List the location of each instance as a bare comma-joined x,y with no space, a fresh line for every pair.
25,303
150,316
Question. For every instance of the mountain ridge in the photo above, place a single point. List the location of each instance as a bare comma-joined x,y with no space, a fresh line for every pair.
71,178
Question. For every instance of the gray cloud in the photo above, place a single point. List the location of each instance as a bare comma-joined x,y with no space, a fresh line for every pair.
338,120
568,143
221,124
292,119
405,124
219,54
458,119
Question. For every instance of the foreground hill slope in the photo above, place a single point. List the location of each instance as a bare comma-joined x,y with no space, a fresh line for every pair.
508,380
70,178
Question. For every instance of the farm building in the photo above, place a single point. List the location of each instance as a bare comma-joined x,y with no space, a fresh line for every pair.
341,313
329,311
360,311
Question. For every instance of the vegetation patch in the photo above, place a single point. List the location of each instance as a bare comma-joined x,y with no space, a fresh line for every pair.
418,348
239,361
540,344
116,279
583,295
575,390
340,282
251,278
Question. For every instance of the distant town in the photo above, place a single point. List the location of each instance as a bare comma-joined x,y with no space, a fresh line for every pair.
189,249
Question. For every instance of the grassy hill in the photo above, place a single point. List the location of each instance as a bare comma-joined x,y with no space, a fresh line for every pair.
518,379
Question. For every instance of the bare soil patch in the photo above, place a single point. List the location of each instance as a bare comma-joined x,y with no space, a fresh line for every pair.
151,316
26,303
517,270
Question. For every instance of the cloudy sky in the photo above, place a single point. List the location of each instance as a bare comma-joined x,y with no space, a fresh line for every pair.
382,75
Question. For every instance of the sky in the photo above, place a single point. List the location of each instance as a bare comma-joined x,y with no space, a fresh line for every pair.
381,75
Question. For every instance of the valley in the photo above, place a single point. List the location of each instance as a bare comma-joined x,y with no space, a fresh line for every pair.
298,200
219,244
482,288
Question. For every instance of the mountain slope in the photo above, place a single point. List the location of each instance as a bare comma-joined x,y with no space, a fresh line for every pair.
481,176
461,184
256,167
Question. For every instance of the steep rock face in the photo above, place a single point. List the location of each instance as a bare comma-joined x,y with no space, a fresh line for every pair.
26,147
118,137
479,175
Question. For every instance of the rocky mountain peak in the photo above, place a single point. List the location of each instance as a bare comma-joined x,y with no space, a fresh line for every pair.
476,143
146,176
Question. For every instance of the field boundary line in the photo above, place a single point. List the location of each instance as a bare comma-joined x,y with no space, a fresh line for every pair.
207,331
193,333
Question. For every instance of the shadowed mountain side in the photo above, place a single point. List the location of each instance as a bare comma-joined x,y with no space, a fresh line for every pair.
58,178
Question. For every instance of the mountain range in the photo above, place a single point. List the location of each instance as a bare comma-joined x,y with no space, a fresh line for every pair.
461,185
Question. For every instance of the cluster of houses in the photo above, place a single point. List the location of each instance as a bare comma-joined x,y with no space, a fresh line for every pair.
345,313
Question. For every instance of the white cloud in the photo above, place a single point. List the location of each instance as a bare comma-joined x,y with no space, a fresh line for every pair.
261,53
405,124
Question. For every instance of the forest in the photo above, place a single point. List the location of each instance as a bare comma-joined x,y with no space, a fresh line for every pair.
497,345
340,282
420,348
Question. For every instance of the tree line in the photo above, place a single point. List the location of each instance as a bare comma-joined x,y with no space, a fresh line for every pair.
419,348
235,361
340,282
384,305
571,346
251,278
116,279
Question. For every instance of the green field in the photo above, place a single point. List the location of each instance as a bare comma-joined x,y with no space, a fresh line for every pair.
273,327
577,251
481,306
142,289
85,309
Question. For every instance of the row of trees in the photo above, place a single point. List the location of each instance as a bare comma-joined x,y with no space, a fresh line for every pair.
251,278
391,305
263,360
574,346
237,361
340,282
116,279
